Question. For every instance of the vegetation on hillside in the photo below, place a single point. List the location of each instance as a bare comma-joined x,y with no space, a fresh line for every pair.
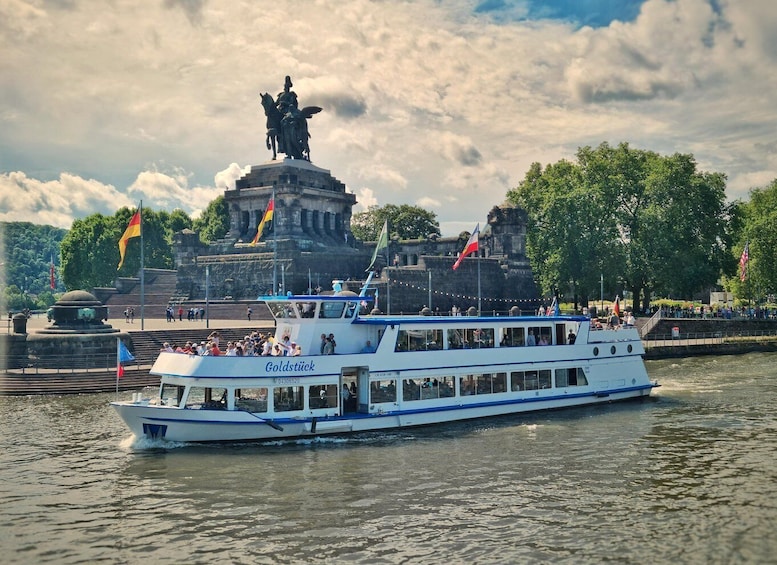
404,221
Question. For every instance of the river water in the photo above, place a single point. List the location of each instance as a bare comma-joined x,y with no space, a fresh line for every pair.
686,477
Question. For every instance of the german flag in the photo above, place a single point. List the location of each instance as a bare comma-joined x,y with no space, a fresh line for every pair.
133,230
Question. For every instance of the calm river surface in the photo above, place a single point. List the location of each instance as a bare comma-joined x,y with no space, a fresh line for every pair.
687,477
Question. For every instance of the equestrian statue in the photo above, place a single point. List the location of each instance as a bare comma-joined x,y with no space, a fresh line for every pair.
287,125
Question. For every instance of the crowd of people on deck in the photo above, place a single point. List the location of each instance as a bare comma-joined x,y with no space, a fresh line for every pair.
257,344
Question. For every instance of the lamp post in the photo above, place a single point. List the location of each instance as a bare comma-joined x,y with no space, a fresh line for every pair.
601,292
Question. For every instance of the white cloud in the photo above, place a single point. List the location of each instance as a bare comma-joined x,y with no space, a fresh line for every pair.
55,202
365,198
421,100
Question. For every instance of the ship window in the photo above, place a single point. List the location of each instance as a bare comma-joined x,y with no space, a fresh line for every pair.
418,340
470,338
570,377
411,389
206,398
486,383
530,380
287,398
428,388
282,309
322,396
251,399
467,385
383,391
543,335
331,310
513,337
500,382
174,392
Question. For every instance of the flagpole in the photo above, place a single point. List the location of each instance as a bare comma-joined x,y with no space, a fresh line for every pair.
142,276
274,248
388,274
479,298
118,362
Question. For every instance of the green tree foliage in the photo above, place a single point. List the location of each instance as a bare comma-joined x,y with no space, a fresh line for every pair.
90,251
214,221
759,228
26,253
405,222
641,221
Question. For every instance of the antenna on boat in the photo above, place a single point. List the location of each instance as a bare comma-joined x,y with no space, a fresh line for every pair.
363,291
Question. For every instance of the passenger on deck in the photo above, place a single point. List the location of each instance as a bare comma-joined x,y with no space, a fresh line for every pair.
214,349
346,396
530,339
323,343
331,338
368,348
328,348
296,350
571,337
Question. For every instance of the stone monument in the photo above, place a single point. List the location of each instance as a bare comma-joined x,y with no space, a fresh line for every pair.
77,337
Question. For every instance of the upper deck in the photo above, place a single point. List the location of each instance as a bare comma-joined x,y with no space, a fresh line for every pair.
306,319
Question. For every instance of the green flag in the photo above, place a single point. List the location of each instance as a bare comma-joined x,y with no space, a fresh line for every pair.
382,244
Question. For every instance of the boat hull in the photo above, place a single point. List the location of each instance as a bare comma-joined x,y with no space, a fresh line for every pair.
208,426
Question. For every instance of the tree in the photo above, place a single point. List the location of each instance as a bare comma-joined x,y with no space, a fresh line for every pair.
90,251
644,222
27,251
759,229
214,221
405,222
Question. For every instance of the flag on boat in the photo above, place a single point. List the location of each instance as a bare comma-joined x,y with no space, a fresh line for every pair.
382,244
133,230
471,247
52,278
266,218
743,262
122,356
616,306
553,309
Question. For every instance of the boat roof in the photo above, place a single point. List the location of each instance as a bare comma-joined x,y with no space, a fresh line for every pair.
312,297
427,320
382,320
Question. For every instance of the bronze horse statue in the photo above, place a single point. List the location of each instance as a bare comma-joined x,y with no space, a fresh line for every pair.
273,124
287,133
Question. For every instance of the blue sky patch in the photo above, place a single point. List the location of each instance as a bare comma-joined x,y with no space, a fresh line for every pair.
593,13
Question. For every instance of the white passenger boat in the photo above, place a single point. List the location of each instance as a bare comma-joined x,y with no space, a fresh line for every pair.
423,370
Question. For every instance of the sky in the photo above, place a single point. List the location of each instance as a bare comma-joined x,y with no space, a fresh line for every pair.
443,104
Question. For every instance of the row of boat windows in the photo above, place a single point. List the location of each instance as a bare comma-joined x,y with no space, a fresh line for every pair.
293,398
327,310
471,338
